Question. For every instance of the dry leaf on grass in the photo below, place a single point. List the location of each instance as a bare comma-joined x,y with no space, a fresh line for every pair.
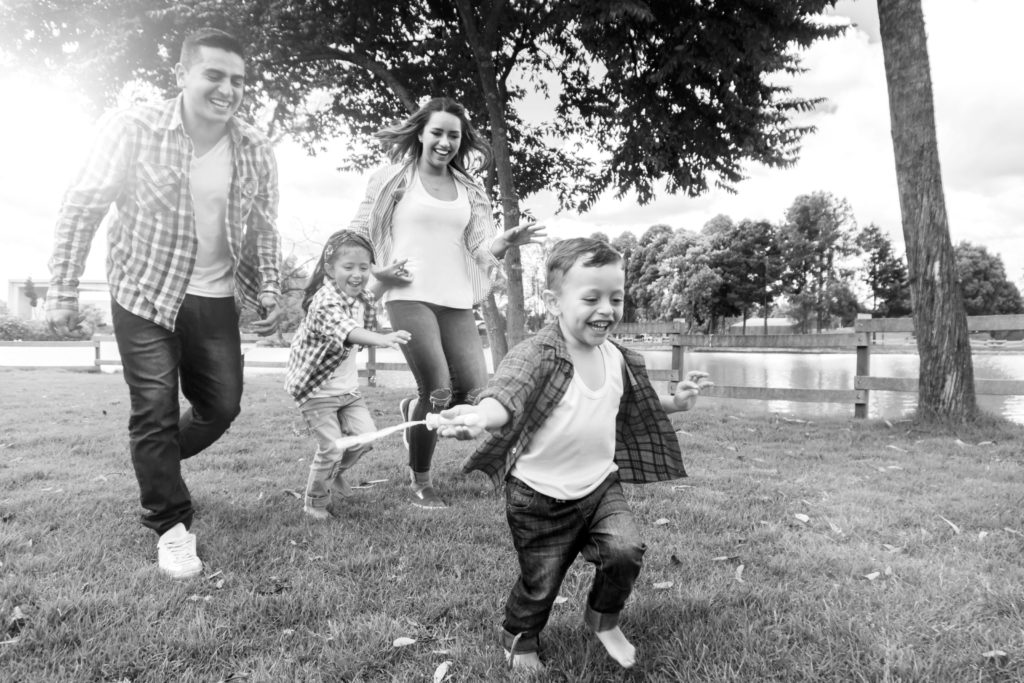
986,443
802,518
998,656
739,573
954,527
661,521
725,558
662,585
872,576
403,641
441,671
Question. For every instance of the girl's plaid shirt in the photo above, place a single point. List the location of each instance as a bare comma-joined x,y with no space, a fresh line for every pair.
319,345
534,377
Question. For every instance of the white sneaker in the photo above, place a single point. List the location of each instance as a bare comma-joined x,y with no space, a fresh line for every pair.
176,553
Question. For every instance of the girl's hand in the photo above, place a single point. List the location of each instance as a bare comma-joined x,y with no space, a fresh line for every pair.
396,274
461,422
393,340
688,390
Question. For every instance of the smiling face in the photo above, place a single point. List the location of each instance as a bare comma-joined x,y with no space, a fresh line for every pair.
212,86
588,302
350,269
441,138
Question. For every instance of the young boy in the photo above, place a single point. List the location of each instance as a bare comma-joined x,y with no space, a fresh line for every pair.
571,415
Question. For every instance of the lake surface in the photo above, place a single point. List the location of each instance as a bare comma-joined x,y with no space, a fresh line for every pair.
836,371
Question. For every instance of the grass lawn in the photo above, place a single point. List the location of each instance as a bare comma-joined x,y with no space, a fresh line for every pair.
832,550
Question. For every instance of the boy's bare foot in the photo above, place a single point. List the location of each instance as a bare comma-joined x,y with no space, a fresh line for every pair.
528,661
621,650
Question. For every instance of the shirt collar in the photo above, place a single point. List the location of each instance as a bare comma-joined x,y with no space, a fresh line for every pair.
362,297
171,120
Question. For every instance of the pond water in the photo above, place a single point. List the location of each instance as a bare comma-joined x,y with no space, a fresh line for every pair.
836,371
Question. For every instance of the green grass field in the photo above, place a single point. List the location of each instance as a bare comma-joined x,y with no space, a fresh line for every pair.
833,550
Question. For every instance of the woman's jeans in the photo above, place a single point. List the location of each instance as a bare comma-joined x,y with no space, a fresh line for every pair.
203,355
330,418
446,357
548,534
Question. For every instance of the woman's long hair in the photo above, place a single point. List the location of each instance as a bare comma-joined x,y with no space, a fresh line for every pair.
402,142
342,238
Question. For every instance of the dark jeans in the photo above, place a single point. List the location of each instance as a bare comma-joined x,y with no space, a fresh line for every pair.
204,356
446,357
548,534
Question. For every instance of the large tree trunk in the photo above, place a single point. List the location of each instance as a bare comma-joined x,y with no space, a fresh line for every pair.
946,372
482,43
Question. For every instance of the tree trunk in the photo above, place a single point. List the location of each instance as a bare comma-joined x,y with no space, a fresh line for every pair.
482,44
946,390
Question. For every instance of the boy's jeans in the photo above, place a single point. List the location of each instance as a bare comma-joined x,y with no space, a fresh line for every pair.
329,418
548,534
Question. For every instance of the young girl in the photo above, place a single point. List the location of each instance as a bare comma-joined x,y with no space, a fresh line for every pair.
322,376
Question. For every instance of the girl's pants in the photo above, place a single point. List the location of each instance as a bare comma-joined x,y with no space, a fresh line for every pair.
202,356
329,418
548,534
446,357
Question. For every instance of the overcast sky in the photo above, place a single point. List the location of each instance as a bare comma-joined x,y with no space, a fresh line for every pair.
979,100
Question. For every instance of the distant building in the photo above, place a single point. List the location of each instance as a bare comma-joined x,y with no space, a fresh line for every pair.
94,292
775,326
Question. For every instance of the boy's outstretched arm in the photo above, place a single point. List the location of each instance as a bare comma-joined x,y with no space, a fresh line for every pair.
469,422
687,391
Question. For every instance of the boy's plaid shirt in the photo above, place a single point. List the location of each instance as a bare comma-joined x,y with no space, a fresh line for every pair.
534,377
319,345
140,163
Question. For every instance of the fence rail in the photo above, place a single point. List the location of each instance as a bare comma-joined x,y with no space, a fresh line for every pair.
860,341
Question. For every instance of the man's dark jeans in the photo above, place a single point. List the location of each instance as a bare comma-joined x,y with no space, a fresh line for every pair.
203,356
548,534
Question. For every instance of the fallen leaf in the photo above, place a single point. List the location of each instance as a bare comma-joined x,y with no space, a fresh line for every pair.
956,529
982,535
891,548
887,424
99,477
662,585
661,521
872,576
680,487
995,654
739,573
802,518
288,632
725,558
835,529
441,671
403,642
986,443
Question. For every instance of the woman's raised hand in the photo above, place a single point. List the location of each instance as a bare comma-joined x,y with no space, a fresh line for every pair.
527,233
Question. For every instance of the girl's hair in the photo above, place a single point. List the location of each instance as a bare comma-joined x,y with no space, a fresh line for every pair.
402,142
335,243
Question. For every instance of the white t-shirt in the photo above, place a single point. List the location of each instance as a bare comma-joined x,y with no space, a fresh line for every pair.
210,183
430,232
574,450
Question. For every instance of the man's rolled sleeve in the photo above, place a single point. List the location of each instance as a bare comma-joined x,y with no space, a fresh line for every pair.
86,202
264,223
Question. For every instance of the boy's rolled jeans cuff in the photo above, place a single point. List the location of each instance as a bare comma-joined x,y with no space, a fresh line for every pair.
600,621
525,646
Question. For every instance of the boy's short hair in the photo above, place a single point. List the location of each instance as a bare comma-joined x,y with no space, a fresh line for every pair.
565,253
208,37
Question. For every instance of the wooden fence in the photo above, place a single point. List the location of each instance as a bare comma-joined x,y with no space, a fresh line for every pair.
859,343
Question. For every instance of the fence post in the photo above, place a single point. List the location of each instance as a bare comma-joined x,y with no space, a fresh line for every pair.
677,359
97,357
860,406
371,366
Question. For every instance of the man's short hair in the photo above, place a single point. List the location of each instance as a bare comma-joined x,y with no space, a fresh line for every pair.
208,37
565,253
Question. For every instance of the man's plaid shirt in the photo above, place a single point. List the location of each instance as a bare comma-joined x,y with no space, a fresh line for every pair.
140,163
534,377
319,345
